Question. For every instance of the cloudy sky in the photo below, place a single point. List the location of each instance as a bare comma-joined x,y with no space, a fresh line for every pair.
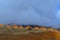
38,12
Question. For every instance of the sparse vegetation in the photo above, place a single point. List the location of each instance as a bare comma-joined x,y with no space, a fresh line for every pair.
31,36
16,32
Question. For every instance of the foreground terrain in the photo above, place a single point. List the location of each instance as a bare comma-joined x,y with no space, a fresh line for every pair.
31,36
18,32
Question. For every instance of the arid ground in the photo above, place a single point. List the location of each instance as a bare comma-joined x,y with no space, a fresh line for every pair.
31,36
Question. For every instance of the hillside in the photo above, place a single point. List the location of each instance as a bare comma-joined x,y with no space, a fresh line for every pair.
28,32
31,36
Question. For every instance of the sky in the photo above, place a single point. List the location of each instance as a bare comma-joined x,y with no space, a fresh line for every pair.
30,12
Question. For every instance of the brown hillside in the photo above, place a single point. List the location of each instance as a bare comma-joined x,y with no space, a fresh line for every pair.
31,36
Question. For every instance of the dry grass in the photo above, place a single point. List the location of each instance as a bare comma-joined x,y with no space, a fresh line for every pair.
28,33
31,36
